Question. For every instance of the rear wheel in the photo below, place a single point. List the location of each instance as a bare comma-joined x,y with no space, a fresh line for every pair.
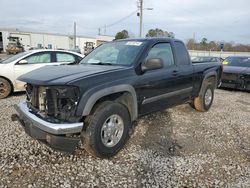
107,129
204,101
5,88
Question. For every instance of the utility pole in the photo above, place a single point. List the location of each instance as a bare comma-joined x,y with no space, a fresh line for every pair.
105,27
141,15
74,34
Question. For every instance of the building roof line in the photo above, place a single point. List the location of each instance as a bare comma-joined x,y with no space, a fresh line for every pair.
44,33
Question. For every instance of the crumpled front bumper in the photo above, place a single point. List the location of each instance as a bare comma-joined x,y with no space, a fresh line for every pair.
239,84
54,135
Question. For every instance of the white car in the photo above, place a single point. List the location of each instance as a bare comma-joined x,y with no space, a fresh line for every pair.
22,63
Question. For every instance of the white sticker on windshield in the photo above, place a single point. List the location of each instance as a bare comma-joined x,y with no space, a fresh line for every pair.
134,43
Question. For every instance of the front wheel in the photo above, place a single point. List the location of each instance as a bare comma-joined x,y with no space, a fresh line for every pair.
205,99
107,129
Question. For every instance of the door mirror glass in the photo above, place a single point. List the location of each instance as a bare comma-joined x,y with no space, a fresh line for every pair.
152,64
23,62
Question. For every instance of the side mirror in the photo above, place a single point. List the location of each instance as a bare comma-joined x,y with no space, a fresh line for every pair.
23,62
152,64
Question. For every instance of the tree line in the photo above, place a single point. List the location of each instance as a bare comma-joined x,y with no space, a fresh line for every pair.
216,46
151,33
192,44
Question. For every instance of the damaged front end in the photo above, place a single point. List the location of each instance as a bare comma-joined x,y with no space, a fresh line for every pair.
55,103
239,81
48,115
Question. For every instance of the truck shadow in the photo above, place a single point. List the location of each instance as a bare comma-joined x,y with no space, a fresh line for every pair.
155,133
155,136
17,94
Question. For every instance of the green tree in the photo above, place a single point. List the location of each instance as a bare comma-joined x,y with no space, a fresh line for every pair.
159,33
122,34
213,46
204,41
171,35
204,44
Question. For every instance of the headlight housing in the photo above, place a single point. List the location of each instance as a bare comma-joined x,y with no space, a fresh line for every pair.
55,103
62,102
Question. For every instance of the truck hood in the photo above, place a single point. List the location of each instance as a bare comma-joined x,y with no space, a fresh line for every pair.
62,74
236,70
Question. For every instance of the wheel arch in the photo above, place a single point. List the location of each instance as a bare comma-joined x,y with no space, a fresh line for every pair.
124,94
11,84
208,77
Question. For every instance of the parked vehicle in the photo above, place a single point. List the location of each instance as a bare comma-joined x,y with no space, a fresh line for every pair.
236,73
14,45
25,62
88,47
203,59
97,100
12,48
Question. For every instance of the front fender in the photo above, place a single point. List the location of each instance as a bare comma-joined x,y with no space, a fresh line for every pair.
89,99
209,74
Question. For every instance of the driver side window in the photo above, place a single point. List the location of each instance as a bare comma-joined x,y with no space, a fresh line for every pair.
162,51
39,58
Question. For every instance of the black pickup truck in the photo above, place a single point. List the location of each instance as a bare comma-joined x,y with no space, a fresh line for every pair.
98,100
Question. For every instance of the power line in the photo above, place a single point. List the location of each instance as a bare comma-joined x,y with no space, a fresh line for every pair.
121,20
109,25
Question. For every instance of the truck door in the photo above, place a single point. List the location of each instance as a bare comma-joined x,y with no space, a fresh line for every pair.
160,88
185,70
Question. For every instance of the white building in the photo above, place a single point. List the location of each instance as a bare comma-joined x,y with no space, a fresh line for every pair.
48,40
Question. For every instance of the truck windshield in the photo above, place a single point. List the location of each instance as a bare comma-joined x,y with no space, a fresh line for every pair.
114,53
13,58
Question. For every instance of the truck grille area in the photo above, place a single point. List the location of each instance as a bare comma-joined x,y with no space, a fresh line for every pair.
229,76
55,104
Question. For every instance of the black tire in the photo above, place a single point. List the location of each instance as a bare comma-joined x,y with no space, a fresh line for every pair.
5,88
93,136
200,103
191,103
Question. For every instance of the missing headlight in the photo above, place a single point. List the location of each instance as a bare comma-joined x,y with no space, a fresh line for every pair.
58,102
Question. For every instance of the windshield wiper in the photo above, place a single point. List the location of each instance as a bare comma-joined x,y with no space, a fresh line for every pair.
101,63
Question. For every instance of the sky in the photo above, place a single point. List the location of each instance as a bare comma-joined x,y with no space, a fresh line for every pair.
216,20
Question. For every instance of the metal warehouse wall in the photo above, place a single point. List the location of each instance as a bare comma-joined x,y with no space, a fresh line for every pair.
44,40
33,39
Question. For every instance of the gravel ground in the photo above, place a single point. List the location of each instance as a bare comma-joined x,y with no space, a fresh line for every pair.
178,147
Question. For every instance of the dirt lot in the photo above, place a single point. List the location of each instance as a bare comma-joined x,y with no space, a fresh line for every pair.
178,147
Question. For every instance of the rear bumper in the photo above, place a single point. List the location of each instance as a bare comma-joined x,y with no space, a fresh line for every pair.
54,135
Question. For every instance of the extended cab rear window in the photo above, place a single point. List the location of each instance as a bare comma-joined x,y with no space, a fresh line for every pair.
181,53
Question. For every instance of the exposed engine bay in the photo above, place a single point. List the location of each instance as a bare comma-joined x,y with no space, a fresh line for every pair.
55,103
